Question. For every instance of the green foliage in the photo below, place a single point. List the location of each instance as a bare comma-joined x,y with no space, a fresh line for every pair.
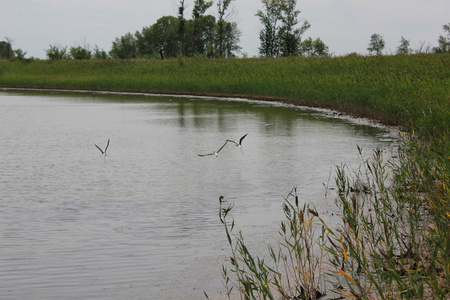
5,50
99,54
79,53
376,44
444,41
56,52
403,48
124,47
393,241
19,54
279,35
294,271
310,47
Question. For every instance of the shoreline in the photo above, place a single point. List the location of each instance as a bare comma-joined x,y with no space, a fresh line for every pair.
329,112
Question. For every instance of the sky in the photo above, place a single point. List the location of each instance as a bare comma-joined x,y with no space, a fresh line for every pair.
345,26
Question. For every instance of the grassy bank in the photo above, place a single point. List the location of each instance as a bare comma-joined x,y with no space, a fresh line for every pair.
394,240
408,90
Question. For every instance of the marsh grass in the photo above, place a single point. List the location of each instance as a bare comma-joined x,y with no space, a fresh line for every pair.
295,267
392,243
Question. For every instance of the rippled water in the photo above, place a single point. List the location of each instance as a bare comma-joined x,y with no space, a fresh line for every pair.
142,223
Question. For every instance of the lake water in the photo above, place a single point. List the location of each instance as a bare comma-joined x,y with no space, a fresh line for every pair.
142,222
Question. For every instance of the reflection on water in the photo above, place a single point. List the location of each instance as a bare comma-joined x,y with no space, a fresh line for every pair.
142,222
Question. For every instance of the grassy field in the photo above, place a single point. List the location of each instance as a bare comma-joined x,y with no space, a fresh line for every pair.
407,90
394,241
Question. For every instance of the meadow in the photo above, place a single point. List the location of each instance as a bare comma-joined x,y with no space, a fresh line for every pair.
394,241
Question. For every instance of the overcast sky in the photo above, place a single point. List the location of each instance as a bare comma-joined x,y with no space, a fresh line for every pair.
344,25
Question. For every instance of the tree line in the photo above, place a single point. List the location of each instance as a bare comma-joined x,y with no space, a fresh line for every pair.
206,35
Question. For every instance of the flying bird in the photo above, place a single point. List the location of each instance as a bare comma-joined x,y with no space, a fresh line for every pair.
240,141
103,152
216,153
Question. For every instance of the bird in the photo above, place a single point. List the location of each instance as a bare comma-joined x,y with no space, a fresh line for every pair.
216,153
240,141
103,152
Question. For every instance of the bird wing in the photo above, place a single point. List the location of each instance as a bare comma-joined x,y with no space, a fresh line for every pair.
222,147
99,148
233,142
240,141
206,154
107,145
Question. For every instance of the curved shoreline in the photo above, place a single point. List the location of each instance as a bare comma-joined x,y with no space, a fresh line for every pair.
332,113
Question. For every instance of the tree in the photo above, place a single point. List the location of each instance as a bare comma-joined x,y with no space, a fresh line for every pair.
56,52
5,49
222,6
200,7
231,39
99,54
444,42
162,39
279,35
181,25
310,47
124,47
268,36
289,36
80,53
376,44
403,48
161,36
19,53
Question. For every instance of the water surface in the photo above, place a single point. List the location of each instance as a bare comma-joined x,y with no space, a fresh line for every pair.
142,223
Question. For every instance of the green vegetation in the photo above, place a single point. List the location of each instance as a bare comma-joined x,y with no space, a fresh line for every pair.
407,90
394,241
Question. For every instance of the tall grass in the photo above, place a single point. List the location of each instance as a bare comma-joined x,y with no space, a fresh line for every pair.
407,90
394,240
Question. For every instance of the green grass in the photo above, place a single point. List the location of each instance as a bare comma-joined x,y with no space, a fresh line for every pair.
394,240
408,90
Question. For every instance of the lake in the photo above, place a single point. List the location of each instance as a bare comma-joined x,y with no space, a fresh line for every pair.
142,222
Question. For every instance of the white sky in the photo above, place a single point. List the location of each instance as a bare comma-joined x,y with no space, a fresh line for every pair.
344,25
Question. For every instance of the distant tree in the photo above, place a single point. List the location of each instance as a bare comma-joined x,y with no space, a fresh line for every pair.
268,36
200,7
231,39
181,26
317,47
162,39
376,44
444,41
163,35
124,47
80,53
279,35
222,6
403,48
19,53
57,52
290,37
5,49
99,54
209,27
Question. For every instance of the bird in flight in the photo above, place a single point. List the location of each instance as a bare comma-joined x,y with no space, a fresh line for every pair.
240,141
106,148
216,153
